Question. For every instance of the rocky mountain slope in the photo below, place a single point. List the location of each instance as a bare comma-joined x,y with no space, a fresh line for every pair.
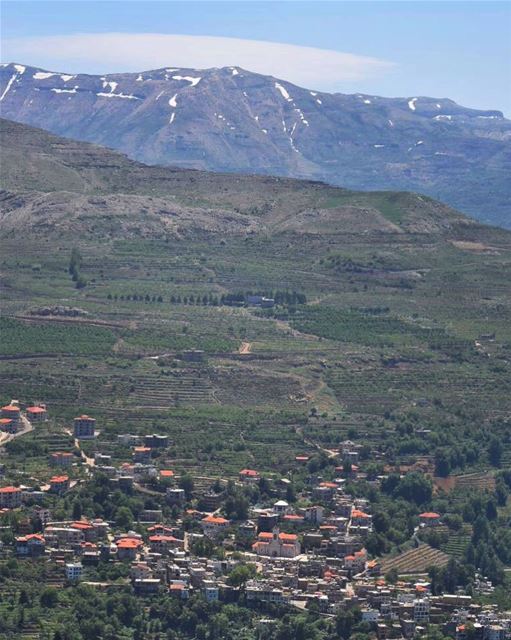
52,184
230,119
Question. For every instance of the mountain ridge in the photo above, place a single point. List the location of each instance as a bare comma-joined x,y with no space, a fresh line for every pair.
229,119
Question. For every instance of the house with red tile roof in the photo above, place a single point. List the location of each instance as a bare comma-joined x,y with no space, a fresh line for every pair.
8,425
89,531
37,413
11,412
360,518
164,543
356,562
59,484
214,526
128,547
141,454
429,519
249,476
32,545
10,497
62,458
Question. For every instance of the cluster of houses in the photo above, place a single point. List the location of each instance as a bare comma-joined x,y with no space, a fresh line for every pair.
301,557
11,416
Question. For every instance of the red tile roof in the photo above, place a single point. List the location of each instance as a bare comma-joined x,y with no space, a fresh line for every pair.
356,513
158,538
288,536
129,543
59,479
215,520
80,524
10,489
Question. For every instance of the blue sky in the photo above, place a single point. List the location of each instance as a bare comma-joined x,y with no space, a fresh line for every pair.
460,50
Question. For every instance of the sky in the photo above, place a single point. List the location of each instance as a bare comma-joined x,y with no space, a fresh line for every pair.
459,49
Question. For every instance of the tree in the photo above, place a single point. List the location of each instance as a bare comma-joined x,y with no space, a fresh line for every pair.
344,622
495,450
415,487
124,518
442,463
241,574
392,576
186,483
77,510
49,597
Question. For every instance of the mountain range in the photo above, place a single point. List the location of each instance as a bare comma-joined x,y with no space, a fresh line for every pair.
232,120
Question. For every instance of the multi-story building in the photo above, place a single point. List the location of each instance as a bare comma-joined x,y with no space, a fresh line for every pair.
37,413
258,591
11,412
156,441
10,497
214,526
142,454
127,548
84,427
59,484
74,571
32,545
62,458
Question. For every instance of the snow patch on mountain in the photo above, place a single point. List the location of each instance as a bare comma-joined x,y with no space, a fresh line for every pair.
283,92
193,81
111,84
125,96
8,86
43,75
73,90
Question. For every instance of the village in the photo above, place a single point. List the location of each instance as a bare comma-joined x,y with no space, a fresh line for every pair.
273,555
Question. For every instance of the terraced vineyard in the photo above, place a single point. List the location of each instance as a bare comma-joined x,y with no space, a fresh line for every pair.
476,481
414,561
458,542
179,387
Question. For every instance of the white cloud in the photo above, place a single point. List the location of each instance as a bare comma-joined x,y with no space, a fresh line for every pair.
115,52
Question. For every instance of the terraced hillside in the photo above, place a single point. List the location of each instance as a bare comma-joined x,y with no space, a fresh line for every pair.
392,323
414,561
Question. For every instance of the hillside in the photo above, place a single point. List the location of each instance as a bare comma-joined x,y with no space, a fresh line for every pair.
52,184
398,286
230,119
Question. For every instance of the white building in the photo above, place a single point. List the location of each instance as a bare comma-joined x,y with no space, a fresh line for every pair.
73,571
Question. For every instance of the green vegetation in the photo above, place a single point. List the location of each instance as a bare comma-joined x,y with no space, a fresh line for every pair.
29,337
